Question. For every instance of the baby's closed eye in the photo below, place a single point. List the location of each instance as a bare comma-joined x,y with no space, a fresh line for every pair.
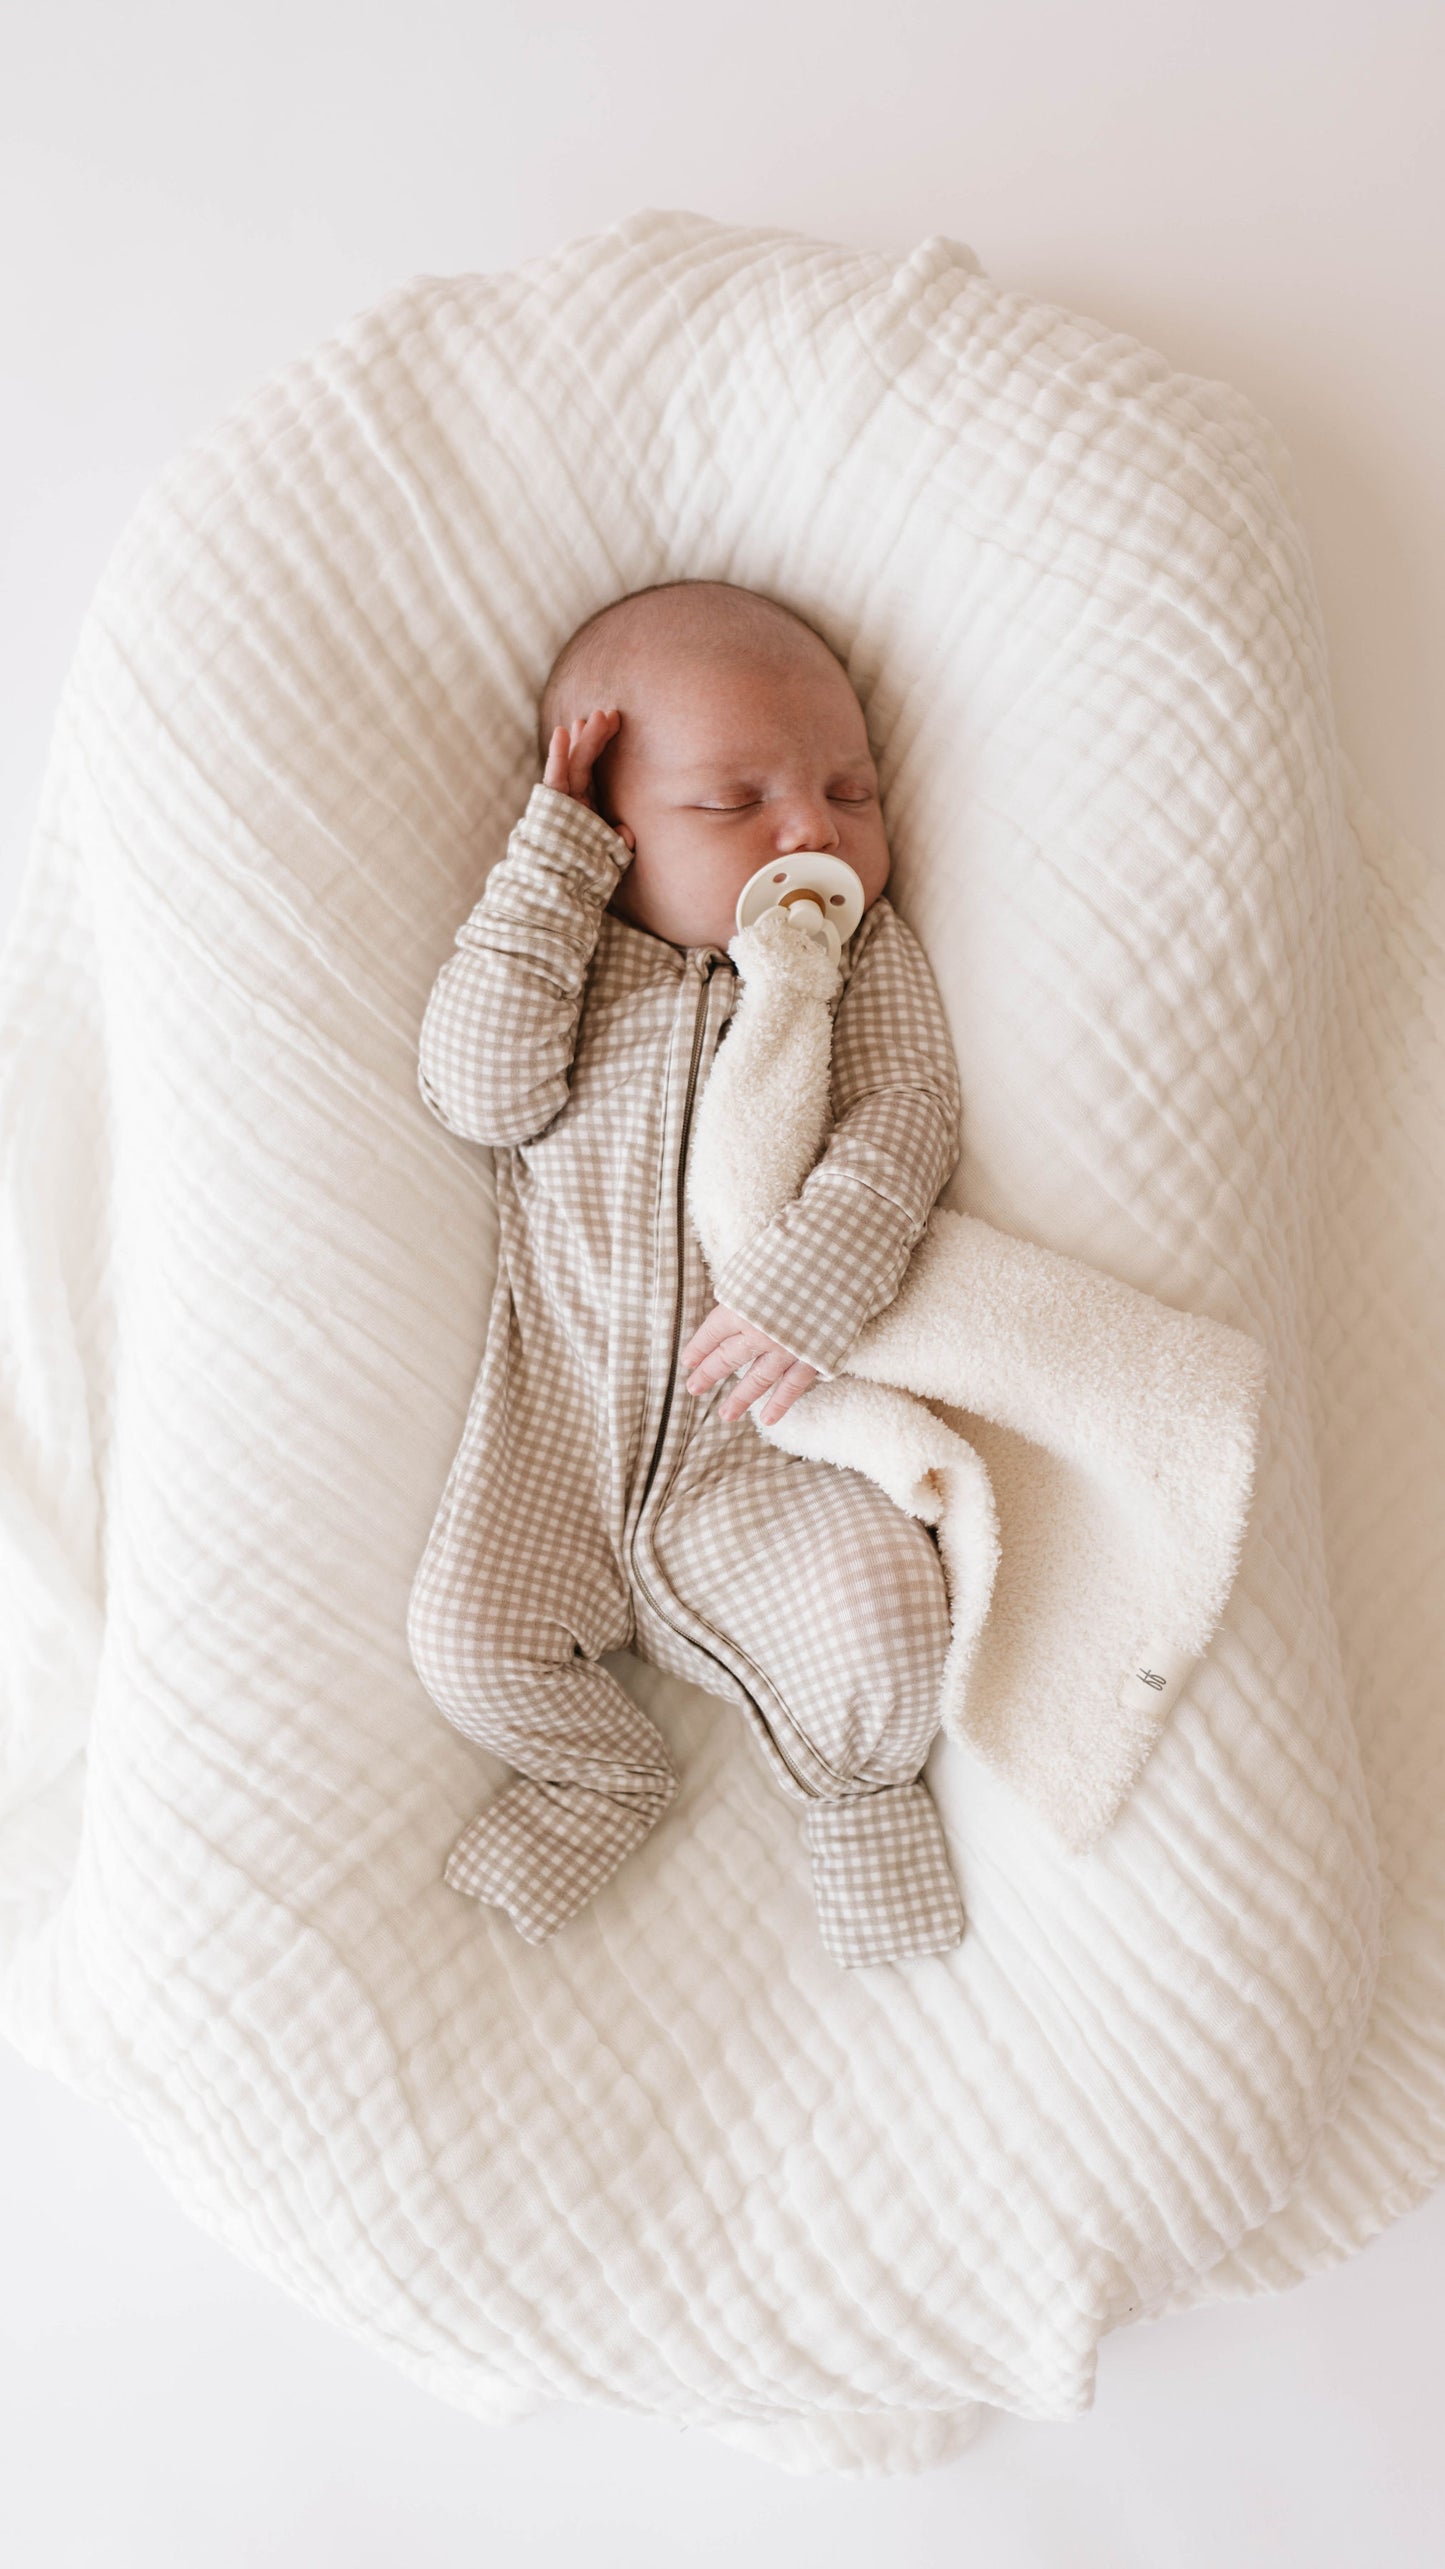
857,795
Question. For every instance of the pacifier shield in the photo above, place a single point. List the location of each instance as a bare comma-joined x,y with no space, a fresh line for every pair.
822,891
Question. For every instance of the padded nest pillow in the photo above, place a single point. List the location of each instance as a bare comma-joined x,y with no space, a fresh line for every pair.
675,2162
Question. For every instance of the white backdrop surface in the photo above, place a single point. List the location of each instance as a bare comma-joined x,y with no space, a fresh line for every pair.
195,194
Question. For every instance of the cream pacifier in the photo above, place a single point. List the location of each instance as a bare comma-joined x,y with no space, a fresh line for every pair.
823,894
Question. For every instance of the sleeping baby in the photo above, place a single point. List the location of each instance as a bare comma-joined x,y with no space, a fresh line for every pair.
610,1491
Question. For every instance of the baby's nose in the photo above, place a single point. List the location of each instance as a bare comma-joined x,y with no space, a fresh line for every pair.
808,825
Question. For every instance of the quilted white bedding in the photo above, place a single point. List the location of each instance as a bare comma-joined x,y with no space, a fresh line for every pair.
676,2162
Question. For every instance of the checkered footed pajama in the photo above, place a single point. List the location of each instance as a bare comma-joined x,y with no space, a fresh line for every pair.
592,1504
797,1591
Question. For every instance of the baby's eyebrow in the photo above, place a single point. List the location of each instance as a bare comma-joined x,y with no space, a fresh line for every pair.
715,780
712,768
725,772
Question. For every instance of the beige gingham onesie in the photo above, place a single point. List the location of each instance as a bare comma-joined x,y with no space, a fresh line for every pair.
594,1504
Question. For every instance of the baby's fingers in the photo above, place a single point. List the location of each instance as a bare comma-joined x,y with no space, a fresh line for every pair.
762,1375
719,1324
798,1378
573,751
726,1357
558,754
589,737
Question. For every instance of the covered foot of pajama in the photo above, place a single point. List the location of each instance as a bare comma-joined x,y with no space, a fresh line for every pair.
882,1882
541,1852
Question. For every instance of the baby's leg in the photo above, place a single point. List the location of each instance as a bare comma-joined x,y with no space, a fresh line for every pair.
517,1596
836,1603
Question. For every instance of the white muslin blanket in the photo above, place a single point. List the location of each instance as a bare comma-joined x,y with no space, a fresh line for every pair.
674,2161
1084,1452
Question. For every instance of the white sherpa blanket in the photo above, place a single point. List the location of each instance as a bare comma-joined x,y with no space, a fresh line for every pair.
1124,1431
676,2162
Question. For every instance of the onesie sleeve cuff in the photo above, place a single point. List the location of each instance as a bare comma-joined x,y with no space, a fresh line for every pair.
574,840
819,1272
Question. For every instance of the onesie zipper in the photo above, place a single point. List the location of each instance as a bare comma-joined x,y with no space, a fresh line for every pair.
704,967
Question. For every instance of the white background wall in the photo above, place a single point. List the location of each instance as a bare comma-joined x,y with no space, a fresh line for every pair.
191,194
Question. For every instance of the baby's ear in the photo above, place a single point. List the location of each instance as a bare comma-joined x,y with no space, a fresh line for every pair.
626,836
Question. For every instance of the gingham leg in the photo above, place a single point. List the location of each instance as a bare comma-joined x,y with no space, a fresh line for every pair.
546,1848
517,1597
882,1883
835,1601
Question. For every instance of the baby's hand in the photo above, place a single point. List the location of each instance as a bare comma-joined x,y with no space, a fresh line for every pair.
573,753
728,1344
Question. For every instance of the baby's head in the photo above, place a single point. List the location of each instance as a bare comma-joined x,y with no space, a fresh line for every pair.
740,739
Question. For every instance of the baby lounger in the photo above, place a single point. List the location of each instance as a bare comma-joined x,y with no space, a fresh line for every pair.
675,2161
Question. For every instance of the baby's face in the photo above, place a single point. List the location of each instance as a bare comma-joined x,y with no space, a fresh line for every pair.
722,764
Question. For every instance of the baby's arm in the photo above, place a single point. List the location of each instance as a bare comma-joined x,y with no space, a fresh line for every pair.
837,1253
500,1027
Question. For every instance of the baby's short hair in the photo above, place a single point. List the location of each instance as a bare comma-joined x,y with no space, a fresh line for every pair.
582,673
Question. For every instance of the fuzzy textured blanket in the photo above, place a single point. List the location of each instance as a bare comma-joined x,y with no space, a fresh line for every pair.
676,2162
1119,1434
